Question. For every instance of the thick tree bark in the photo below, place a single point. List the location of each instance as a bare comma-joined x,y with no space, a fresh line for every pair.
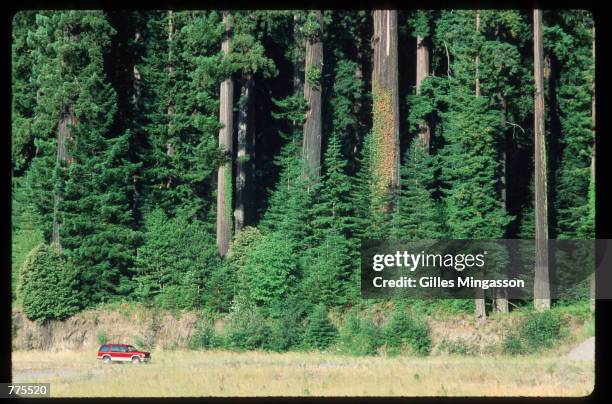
481,310
385,98
422,71
311,146
224,177
64,135
541,287
242,153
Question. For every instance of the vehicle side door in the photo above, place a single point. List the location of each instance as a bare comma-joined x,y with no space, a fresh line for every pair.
118,352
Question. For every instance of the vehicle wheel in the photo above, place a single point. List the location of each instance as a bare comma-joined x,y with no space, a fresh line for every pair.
135,360
106,359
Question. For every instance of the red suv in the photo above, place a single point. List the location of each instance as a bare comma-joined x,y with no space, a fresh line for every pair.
122,353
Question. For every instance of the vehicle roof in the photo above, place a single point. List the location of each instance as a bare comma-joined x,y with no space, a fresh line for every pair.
112,343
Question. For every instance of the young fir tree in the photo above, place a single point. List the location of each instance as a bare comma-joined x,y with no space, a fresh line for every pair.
320,332
331,261
417,213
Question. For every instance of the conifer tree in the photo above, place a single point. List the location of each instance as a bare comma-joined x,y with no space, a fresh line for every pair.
85,170
333,259
417,214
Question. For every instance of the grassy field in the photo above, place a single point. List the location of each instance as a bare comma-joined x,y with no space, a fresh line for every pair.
219,373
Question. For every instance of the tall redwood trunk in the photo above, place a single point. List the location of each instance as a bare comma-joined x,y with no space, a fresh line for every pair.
243,157
501,301
481,312
385,99
422,71
541,287
64,135
311,146
224,177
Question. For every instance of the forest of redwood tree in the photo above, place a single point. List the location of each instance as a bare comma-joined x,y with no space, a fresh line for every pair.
200,159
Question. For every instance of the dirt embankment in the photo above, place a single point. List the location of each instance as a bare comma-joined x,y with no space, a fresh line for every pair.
158,329
138,326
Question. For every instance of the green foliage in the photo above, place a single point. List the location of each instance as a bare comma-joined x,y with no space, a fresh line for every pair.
87,194
536,332
320,332
403,331
417,214
269,270
49,285
204,336
175,260
313,76
25,232
101,337
333,255
136,94
360,336
286,331
245,326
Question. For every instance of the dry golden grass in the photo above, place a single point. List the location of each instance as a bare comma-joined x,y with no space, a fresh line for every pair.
220,373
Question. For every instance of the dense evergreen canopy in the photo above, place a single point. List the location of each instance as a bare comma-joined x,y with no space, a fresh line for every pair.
115,142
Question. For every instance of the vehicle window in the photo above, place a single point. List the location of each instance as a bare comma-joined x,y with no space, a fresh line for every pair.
104,348
131,349
116,348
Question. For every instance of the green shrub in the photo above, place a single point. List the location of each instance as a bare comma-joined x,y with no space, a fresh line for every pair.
403,331
320,332
269,270
285,333
537,331
245,328
102,337
512,344
360,336
204,336
48,285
